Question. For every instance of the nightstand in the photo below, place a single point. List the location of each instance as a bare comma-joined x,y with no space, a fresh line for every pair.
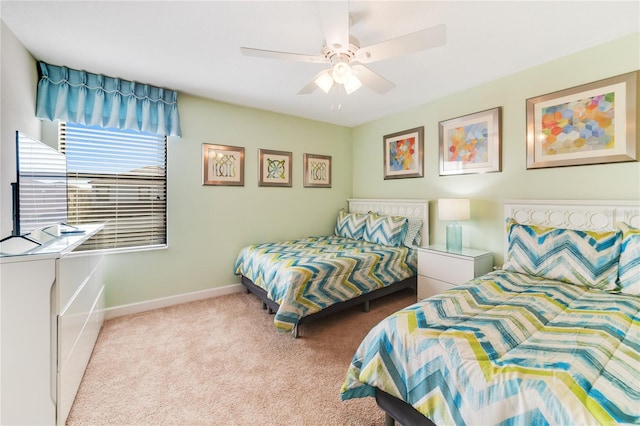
440,270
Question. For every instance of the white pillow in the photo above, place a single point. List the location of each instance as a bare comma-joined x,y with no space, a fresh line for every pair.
412,237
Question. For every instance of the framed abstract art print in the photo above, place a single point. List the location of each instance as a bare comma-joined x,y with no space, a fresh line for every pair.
471,143
590,124
403,154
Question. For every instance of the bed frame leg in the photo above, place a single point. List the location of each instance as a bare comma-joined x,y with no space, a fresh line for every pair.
295,333
365,308
264,305
388,420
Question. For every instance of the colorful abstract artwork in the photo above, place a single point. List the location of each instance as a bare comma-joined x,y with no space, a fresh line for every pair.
471,143
468,144
403,154
582,125
275,168
588,124
317,171
222,165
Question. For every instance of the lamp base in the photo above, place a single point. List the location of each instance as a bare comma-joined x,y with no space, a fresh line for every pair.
454,237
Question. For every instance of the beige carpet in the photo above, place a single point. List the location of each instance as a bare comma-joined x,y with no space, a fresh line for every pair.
220,362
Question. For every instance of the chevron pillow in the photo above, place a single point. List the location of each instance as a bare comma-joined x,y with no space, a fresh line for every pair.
629,267
350,225
386,230
578,257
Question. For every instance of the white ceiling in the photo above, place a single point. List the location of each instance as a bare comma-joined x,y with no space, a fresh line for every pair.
194,46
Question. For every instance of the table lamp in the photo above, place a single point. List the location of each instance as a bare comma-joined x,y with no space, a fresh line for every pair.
454,209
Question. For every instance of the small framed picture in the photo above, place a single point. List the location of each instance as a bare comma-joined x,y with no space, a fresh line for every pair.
471,143
274,168
317,171
590,124
403,154
222,165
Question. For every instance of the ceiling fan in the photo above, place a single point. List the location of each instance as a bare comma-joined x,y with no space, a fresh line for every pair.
346,57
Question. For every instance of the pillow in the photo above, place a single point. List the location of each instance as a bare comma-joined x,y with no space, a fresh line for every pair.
629,266
584,258
350,225
386,230
412,236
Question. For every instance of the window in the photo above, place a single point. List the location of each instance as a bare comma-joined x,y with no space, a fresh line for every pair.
116,177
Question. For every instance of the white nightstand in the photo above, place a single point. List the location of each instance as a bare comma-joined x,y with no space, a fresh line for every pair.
440,270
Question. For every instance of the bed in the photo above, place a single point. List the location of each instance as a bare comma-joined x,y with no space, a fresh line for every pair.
370,254
553,337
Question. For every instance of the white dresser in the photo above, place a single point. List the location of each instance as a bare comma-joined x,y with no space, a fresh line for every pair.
440,270
51,311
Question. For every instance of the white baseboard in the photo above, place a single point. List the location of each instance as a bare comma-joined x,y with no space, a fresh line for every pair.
134,308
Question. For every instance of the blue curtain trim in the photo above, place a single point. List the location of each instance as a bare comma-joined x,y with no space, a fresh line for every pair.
94,99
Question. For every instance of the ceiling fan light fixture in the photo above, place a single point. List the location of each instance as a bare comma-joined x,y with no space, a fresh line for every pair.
341,72
352,84
324,81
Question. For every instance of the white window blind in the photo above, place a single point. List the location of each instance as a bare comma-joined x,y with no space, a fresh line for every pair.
116,177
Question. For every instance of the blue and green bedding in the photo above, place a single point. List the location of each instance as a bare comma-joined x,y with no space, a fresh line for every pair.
307,275
508,348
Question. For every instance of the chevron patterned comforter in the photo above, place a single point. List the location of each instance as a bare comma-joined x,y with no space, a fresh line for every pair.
510,349
307,275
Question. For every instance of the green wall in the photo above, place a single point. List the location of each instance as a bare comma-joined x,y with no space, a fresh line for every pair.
18,79
613,181
209,224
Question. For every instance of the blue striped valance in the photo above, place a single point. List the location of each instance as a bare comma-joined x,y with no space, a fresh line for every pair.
94,99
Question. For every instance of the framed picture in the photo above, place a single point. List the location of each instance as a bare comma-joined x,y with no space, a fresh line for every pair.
274,168
471,143
317,171
590,124
222,165
403,154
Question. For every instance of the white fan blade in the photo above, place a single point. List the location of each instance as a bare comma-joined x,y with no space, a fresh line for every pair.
309,88
403,45
272,54
372,80
334,17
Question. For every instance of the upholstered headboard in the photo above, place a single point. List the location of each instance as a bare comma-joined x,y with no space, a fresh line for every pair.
392,207
581,215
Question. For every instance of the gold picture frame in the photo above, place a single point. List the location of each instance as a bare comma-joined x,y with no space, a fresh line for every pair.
274,168
404,154
222,165
317,171
471,143
594,123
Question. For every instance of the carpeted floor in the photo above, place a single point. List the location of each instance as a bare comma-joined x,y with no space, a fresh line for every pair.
220,362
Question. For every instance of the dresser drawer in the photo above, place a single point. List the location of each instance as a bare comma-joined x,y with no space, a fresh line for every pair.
455,270
428,287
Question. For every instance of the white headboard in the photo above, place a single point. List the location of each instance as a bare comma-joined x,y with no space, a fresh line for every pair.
582,215
392,207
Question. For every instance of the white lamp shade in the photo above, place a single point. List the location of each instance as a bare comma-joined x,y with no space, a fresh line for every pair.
325,81
352,84
341,72
454,209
